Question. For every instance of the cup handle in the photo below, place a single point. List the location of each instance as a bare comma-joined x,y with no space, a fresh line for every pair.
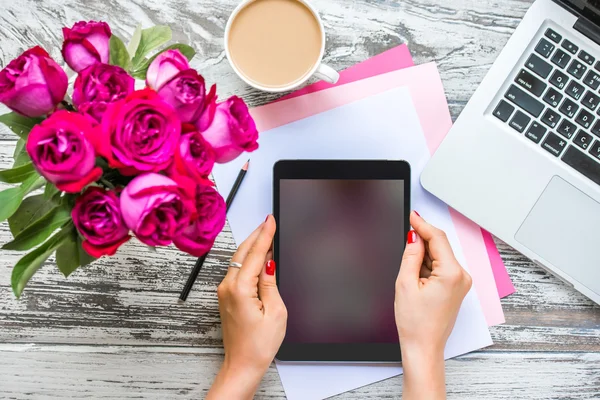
327,74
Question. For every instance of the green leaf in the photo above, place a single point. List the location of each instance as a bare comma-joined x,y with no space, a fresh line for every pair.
19,124
32,209
118,53
31,262
40,230
10,199
135,41
141,70
71,255
20,155
18,174
151,39
50,191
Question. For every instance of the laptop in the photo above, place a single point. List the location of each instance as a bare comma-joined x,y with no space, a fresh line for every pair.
523,158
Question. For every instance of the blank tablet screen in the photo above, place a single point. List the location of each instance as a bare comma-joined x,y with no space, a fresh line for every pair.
340,247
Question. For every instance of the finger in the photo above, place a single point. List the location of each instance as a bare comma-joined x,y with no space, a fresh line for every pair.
242,252
412,260
439,246
255,259
268,291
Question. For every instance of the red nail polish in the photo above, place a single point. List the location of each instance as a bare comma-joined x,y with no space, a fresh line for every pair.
266,219
270,267
416,212
412,237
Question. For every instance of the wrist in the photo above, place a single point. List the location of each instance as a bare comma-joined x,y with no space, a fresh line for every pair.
424,375
235,382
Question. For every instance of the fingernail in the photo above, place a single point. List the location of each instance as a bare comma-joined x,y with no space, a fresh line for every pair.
412,237
416,212
270,267
266,219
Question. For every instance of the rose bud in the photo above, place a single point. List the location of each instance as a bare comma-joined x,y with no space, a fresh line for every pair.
156,209
33,84
232,130
199,236
61,152
86,43
165,67
98,85
194,157
186,93
138,134
97,217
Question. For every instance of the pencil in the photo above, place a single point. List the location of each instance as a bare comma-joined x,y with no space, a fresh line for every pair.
200,262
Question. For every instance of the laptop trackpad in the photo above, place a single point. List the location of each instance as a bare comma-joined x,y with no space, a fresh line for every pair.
563,227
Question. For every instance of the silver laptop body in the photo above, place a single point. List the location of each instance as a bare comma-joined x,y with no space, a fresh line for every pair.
523,158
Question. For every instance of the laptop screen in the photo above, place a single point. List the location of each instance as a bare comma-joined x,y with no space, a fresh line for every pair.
590,9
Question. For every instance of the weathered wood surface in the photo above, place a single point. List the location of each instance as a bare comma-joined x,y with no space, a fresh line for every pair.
115,330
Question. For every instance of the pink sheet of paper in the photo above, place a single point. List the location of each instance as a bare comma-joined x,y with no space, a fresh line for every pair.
428,96
392,60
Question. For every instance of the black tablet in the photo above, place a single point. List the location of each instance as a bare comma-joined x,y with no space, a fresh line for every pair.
341,233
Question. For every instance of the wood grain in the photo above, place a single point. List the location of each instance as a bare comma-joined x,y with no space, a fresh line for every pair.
115,330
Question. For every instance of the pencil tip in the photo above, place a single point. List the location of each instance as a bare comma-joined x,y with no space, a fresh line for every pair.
245,167
179,301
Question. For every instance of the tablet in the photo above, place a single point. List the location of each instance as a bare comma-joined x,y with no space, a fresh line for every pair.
341,233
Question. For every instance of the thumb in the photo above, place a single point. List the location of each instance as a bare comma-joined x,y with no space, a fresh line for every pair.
268,291
412,260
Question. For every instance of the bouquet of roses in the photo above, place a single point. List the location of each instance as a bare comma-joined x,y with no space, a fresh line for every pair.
113,161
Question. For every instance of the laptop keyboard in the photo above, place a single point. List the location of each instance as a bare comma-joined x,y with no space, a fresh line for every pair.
554,102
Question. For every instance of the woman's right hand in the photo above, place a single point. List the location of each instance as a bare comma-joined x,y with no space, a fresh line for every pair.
430,289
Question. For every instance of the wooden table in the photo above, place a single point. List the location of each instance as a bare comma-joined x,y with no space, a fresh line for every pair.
115,330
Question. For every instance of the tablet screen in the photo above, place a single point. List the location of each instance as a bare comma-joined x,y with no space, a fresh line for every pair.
341,244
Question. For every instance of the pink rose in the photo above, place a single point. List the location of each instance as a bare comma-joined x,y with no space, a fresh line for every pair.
194,156
231,131
33,84
86,43
165,67
98,85
186,93
61,152
199,236
97,217
156,208
138,134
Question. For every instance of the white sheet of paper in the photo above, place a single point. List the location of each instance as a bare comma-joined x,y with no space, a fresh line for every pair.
384,126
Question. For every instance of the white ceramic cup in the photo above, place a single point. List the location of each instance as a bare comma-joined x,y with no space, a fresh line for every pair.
319,70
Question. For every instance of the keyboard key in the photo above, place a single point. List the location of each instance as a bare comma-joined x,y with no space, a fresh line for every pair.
539,66
582,163
552,35
554,144
566,128
585,119
595,149
559,79
596,128
583,139
586,57
561,58
544,48
568,108
590,100
550,118
519,121
597,66
592,80
575,90
531,83
553,97
569,46
535,132
503,111
577,69
525,101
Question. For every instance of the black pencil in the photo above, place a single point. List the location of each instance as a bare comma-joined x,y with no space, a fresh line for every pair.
200,262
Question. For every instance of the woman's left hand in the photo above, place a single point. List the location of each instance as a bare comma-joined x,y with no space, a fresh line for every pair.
253,316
